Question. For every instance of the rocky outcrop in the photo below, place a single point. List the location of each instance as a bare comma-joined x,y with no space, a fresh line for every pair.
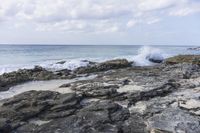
98,117
157,99
108,65
196,48
46,111
38,73
191,59
157,92
43,105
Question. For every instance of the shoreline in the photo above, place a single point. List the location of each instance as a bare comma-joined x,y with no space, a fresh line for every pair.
121,98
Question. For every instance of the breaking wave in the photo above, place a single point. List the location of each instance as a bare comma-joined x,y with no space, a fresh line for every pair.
145,53
141,58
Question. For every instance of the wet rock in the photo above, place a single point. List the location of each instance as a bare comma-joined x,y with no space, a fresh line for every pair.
155,58
108,65
61,62
191,59
65,73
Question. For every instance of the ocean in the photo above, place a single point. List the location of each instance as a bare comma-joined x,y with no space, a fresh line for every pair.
14,57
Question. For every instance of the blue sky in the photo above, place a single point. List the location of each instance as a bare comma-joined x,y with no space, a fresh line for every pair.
128,22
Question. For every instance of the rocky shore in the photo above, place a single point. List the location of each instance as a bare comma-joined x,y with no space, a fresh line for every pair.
122,98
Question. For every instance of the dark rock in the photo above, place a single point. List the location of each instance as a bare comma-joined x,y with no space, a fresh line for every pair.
61,62
105,66
135,124
64,73
23,75
5,126
89,62
155,58
196,48
104,116
38,104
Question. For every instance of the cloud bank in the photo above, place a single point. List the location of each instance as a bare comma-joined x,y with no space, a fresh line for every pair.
92,15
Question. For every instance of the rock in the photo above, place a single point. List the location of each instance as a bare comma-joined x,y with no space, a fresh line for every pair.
23,75
157,92
192,105
175,120
135,124
155,58
104,116
44,105
96,90
191,59
65,73
61,62
105,66
89,62
5,126
65,85
196,48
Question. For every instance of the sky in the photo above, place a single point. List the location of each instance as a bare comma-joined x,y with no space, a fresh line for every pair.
100,22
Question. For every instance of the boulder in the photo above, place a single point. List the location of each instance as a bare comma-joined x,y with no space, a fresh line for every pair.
155,58
61,62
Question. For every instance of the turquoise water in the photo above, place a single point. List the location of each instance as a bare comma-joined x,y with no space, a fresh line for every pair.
13,57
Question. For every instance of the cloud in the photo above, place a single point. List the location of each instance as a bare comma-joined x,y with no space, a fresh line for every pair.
92,15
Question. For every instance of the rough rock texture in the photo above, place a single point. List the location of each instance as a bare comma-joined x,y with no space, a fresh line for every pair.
38,73
193,59
153,99
108,65
43,105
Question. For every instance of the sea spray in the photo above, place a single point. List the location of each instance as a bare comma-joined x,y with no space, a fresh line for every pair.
145,53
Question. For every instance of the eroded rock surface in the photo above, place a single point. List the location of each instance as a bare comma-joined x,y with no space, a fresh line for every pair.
23,75
156,99
108,65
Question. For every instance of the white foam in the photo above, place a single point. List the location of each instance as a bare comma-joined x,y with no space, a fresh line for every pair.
52,66
71,65
141,59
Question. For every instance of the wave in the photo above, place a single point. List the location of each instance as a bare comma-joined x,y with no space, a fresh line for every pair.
146,52
51,66
141,58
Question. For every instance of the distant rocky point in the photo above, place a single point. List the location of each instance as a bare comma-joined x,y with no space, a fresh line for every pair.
196,48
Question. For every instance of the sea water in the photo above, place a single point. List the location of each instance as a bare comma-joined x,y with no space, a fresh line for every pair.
14,57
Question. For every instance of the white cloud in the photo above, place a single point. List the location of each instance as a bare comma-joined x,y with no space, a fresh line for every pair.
185,10
92,15
153,20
